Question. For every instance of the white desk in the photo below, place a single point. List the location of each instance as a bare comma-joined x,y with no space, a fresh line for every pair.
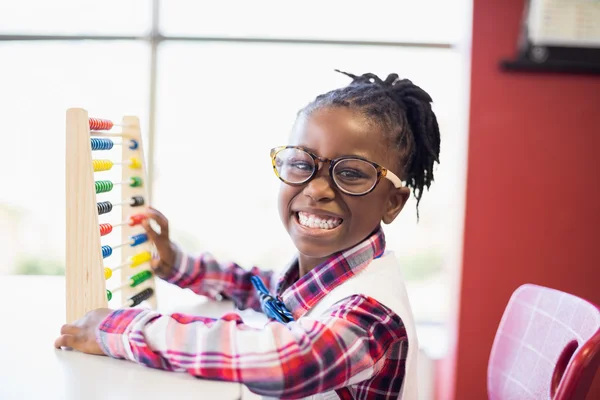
31,312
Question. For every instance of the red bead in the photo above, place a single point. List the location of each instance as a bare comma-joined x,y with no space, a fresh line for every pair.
136,219
100,124
105,229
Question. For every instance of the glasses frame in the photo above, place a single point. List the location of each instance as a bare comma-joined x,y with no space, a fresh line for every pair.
382,172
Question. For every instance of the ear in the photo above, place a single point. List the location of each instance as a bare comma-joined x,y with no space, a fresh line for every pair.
396,201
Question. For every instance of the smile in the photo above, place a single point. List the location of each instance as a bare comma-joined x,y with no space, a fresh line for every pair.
314,221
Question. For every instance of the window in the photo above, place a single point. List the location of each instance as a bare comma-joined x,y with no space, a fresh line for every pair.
33,104
63,17
377,20
230,77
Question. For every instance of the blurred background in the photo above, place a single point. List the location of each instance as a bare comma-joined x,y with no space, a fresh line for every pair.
217,84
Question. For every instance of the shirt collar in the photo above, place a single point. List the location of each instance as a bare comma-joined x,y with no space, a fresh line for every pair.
300,295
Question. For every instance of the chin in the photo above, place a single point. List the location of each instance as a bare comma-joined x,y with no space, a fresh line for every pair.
314,250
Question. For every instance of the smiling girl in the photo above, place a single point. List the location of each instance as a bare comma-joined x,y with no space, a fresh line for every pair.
341,324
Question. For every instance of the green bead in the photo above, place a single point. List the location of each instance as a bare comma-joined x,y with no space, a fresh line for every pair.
136,181
103,186
140,277
108,295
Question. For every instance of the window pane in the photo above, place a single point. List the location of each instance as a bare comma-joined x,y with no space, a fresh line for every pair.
377,20
223,106
33,104
60,17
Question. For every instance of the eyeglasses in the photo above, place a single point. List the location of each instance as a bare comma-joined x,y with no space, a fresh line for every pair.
352,175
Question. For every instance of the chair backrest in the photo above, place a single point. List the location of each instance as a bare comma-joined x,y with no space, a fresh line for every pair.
547,346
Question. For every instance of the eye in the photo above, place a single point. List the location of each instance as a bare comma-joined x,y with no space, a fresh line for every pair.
301,165
350,174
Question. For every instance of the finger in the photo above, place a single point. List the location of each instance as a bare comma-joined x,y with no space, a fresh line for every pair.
65,341
160,219
151,226
69,329
149,231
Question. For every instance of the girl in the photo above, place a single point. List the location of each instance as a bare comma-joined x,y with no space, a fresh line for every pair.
341,324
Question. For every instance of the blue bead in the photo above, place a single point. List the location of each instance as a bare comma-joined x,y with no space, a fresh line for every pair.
139,239
106,251
133,144
101,144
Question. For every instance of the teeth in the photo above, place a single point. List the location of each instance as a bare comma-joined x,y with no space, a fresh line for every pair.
314,221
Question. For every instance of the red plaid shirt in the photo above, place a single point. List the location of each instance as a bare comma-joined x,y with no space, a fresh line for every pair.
358,347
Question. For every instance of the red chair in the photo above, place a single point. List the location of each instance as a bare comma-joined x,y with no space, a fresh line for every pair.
547,346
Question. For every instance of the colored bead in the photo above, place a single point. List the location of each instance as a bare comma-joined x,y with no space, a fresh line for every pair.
141,296
105,229
140,258
98,124
137,201
133,144
108,295
103,186
106,251
104,207
136,219
136,181
107,273
102,165
140,277
139,239
135,163
102,144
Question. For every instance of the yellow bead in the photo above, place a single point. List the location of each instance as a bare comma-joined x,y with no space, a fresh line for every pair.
102,165
140,258
107,273
135,163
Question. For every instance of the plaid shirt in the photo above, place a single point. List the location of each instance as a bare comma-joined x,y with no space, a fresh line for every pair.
358,347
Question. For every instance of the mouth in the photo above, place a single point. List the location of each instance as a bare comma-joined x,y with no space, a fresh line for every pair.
317,221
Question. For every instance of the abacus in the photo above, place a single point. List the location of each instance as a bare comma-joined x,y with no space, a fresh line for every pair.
91,266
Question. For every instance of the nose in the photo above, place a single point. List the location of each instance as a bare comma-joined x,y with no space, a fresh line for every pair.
320,187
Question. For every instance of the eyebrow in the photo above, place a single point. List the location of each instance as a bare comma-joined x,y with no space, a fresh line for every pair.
312,150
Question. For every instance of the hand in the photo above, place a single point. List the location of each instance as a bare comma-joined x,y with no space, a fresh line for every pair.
81,335
164,264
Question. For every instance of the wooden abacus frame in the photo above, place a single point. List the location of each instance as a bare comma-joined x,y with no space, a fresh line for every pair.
85,280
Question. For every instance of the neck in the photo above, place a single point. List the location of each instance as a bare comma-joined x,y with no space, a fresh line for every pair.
307,264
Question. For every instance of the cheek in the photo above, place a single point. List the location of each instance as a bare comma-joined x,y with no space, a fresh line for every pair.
366,211
284,198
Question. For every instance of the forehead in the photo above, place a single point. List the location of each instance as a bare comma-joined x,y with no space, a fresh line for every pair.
339,131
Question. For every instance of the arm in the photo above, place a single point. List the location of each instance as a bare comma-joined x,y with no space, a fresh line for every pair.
202,274
298,359
206,276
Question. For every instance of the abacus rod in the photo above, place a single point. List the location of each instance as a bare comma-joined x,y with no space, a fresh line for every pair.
122,183
118,267
121,224
128,303
128,202
123,244
109,134
124,285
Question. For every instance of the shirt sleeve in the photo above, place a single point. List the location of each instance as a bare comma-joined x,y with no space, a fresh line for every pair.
204,275
345,346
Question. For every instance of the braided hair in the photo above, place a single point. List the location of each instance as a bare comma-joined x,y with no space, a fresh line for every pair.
402,110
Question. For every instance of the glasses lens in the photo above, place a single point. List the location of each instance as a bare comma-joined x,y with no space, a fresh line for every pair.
355,176
294,165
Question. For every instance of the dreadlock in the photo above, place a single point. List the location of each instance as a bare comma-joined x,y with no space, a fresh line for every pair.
404,111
